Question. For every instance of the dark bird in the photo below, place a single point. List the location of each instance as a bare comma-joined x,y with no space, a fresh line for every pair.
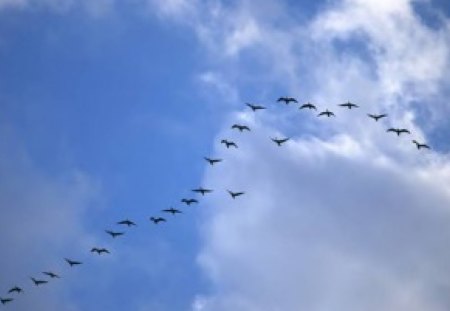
126,222
308,105
38,282
419,145
72,262
279,142
287,100
228,143
100,250
240,127
255,107
157,220
398,131
349,105
377,117
114,234
201,190
172,210
326,113
189,201
52,275
16,289
235,194
5,300
213,161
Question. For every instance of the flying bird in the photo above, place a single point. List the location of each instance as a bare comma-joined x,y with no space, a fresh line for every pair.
228,143
255,107
213,161
377,117
279,142
100,250
240,127
157,220
16,289
308,106
235,194
189,201
349,105
38,282
326,113
398,131
114,234
52,275
5,300
201,190
72,262
126,222
172,210
419,145
287,100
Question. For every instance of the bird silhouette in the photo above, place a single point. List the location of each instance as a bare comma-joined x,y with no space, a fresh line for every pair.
126,222
172,210
38,282
16,289
157,220
308,106
202,191
235,194
255,107
398,131
349,105
228,143
287,100
114,234
420,146
51,274
212,161
326,113
5,300
240,127
279,142
72,262
189,201
377,117
100,251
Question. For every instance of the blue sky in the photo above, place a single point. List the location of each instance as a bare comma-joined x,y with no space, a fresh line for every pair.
107,109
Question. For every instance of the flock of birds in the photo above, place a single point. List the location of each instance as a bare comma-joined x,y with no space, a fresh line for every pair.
15,290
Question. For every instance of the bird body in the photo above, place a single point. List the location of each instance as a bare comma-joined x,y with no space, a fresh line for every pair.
16,289
157,220
228,143
240,127
235,194
38,282
202,191
100,250
114,234
287,100
279,142
212,161
420,146
398,131
308,106
5,300
349,105
172,210
52,275
72,262
126,222
255,107
189,201
377,117
326,113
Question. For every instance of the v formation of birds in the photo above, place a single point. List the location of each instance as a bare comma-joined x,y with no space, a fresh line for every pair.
47,276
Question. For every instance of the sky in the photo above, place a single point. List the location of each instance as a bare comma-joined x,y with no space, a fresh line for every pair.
108,107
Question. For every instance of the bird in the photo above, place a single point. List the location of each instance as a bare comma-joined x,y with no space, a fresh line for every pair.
240,127
377,117
99,250
172,210
156,220
126,222
52,275
212,161
326,113
72,262
308,105
398,131
235,194
38,282
287,100
5,300
419,145
189,201
16,289
201,190
279,142
255,107
228,143
114,234
349,105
